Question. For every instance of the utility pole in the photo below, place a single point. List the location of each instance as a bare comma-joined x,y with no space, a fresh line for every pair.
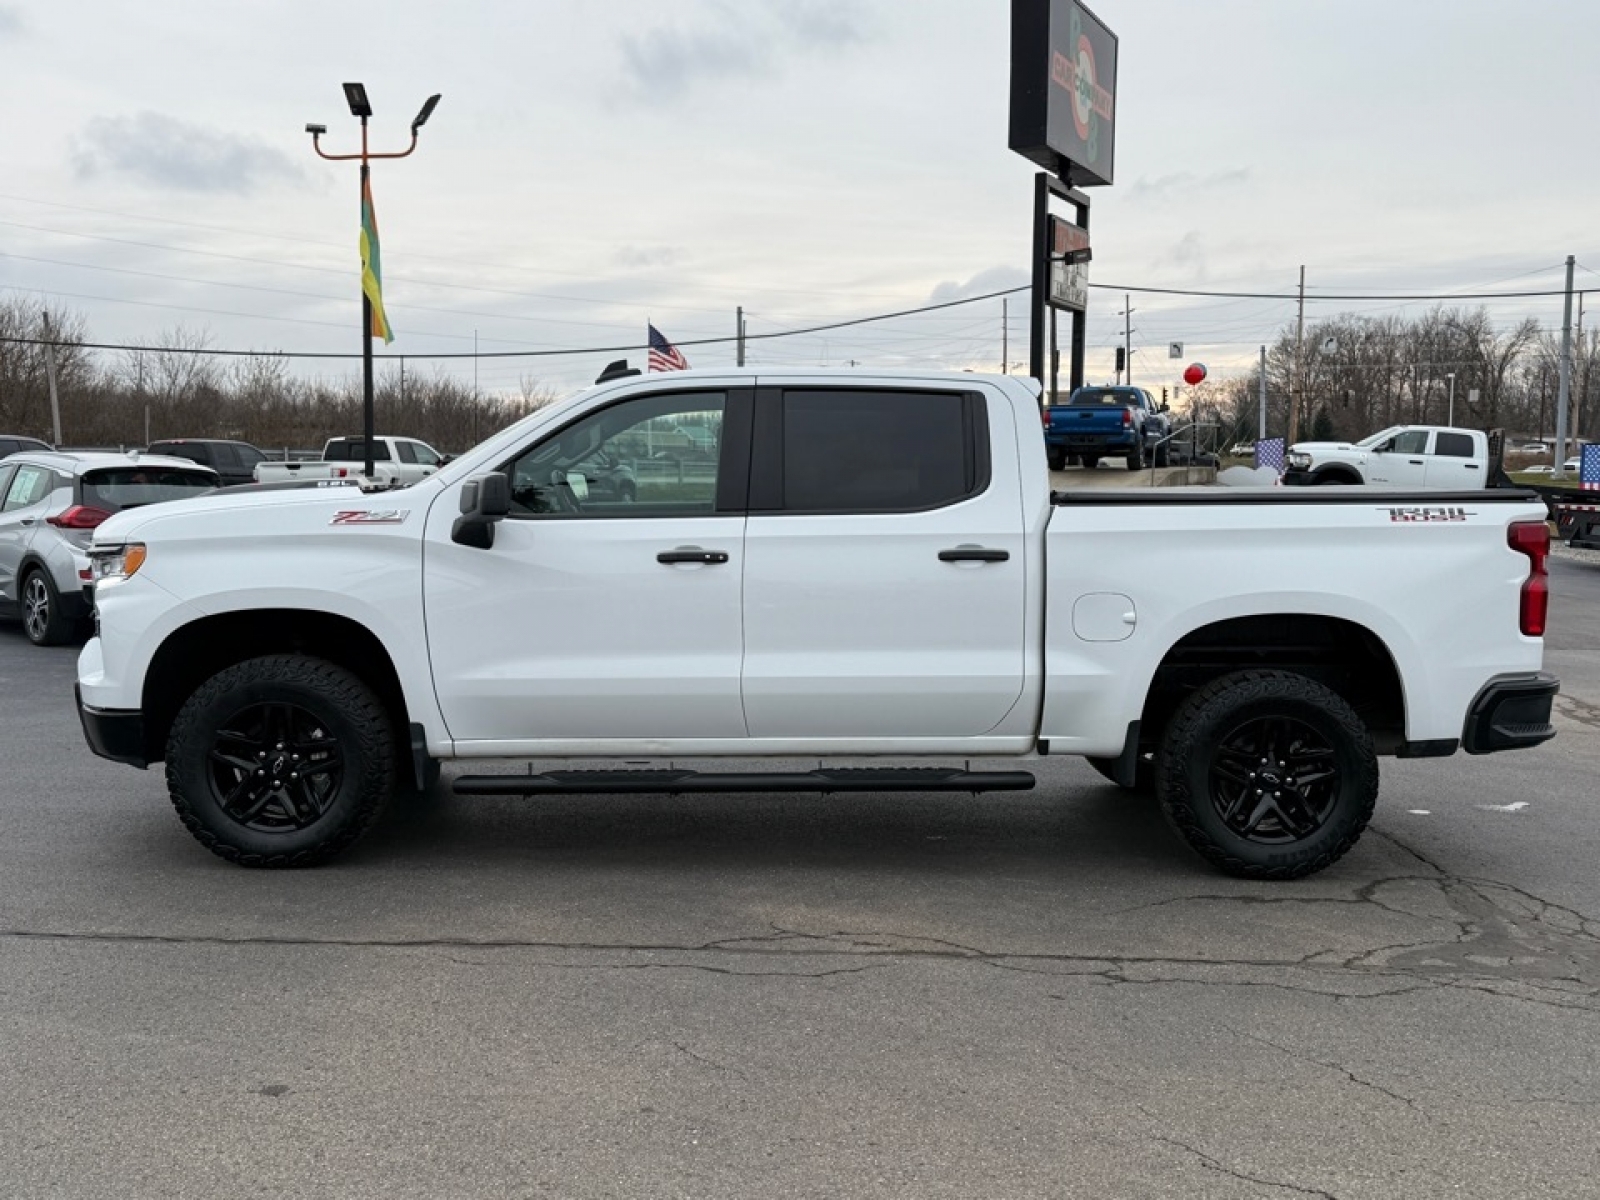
1262,436
1005,339
50,371
1583,384
738,327
1127,336
474,366
1564,396
1298,383
355,96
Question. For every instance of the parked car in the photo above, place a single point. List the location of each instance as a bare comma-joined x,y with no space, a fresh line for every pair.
1534,448
1403,456
234,462
50,505
11,443
293,656
396,462
1538,469
1107,422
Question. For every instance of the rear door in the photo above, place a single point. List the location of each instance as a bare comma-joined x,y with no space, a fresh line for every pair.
1455,461
884,564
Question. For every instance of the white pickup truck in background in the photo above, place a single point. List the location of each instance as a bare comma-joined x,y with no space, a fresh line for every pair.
871,566
1402,456
396,462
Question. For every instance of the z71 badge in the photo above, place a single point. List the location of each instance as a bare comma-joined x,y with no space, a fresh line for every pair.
1414,516
371,516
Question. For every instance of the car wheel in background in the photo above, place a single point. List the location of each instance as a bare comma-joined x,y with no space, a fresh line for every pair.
1268,774
1057,458
42,618
1136,456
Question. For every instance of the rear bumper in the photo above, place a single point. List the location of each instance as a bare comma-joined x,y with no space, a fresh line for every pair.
1092,442
1511,712
118,736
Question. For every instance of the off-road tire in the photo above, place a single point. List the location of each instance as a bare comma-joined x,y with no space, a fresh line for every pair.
43,622
1203,737
1056,458
325,697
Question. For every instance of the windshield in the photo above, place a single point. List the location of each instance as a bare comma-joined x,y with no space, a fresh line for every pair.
116,488
1382,435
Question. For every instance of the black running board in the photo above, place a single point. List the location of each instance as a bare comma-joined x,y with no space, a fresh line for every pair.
677,783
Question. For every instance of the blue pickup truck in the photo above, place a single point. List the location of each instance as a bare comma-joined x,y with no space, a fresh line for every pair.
1107,422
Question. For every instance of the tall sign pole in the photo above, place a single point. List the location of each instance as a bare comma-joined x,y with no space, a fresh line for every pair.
1564,396
355,95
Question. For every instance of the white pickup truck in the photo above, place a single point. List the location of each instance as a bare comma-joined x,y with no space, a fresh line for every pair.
871,566
1402,456
396,462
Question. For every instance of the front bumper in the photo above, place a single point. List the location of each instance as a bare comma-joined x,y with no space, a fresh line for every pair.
111,734
1511,712
1297,479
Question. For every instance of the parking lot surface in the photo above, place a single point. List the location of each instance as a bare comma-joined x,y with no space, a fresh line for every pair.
1033,994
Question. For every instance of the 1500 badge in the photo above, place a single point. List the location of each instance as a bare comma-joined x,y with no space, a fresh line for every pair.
1407,516
371,516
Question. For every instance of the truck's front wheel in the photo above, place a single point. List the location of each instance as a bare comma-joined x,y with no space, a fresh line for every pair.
1267,774
281,761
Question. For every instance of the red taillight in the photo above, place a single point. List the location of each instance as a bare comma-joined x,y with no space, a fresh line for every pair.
1127,416
1533,539
79,516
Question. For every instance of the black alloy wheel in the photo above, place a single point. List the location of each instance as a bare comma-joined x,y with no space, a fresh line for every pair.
1274,779
281,761
1268,774
274,767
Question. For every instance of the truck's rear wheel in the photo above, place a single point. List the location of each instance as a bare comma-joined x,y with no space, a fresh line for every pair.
1056,457
281,761
1136,455
1267,774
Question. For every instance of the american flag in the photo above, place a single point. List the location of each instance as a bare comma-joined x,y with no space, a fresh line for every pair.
1589,468
664,356
1269,453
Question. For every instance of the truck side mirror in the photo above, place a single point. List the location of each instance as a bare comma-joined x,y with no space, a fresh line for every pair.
485,499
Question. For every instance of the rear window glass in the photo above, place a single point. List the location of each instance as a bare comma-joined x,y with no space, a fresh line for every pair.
180,450
116,488
1120,399
355,450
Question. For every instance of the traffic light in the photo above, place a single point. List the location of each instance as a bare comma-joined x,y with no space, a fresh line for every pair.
1163,395
1122,359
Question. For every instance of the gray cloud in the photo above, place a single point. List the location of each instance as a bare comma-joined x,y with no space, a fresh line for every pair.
11,23
735,42
635,257
995,279
1182,183
1190,253
169,153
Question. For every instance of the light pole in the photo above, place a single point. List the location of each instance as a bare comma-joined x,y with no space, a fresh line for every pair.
355,95
1451,419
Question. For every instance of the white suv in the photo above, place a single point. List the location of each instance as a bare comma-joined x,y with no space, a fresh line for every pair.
50,504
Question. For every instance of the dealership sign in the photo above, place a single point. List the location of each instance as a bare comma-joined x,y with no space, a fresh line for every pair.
1063,89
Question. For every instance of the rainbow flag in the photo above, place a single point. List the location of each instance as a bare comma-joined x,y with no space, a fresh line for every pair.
372,265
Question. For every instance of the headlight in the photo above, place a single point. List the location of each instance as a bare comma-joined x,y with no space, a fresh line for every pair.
1298,462
109,563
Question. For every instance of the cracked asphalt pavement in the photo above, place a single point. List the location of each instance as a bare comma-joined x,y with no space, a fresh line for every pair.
1033,994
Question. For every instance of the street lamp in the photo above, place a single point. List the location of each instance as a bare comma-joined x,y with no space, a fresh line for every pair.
1451,419
355,95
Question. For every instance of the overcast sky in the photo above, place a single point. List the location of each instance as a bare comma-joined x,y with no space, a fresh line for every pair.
594,166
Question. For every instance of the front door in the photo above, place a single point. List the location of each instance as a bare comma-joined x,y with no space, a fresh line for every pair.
602,610
23,492
1404,464
884,565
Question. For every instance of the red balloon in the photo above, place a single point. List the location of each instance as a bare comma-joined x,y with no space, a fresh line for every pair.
1194,374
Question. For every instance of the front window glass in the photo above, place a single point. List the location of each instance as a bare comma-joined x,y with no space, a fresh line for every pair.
116,488
654,456
424,454
1412,441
